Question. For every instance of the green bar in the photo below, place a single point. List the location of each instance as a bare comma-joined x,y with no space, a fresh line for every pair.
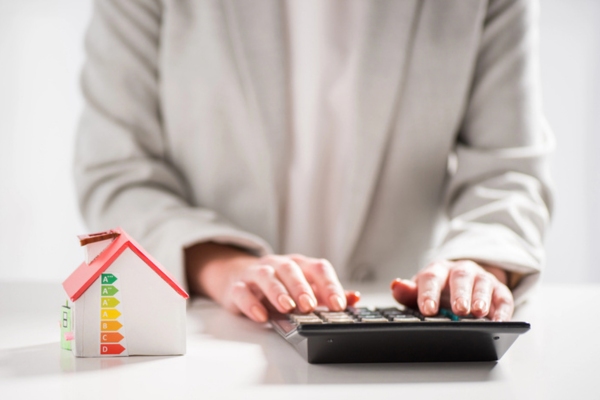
108,302
108,290
108,279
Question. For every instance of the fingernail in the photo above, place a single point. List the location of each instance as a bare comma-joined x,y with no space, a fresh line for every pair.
395,283
337,302
479,305
259,313
306,302
286,302
429,306
461,304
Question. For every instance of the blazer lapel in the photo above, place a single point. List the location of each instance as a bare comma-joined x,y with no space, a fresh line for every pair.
257,34
383,53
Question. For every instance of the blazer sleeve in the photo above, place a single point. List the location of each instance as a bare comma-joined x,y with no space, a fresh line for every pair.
123,174
499,197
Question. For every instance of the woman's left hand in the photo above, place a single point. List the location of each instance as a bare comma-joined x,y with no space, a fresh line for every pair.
463,286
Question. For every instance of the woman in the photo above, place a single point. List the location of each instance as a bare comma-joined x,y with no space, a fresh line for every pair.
263,148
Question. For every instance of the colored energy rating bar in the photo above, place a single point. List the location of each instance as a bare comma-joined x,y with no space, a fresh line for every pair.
109,302
111,337
110,325
107,313
108,279
108,290
111,349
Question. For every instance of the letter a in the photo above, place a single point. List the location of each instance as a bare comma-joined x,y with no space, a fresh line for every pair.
104,302
105,291
105,279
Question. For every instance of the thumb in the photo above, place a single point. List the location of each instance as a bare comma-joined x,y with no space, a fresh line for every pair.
405,292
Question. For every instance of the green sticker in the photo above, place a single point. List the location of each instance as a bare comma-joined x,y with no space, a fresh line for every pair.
108,279
108,290
66,333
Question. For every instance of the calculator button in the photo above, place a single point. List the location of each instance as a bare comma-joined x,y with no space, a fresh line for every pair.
334,314
335,319
303,317
370,320
309,321
391,309
437,319
406,318
484,319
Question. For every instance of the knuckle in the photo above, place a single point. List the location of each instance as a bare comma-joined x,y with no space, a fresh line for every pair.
286,267
238,288
428,274
469,264
267,259
320,266
460,271
264,271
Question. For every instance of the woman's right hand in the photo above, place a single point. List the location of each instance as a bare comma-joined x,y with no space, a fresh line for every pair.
243,283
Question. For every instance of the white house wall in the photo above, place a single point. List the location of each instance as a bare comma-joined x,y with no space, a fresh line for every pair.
87,320
153,313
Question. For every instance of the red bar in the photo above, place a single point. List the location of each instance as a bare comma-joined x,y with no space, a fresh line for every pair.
111,349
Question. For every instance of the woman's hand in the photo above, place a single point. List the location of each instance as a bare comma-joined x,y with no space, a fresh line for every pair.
464,286
243,283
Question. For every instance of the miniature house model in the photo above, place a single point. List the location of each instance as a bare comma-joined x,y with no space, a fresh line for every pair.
123,302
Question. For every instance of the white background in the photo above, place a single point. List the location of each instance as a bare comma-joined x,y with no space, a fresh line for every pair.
41,53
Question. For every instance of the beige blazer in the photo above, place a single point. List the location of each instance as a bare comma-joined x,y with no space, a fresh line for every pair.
184,137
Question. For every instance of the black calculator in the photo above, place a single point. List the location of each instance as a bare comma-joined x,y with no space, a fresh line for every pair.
395,334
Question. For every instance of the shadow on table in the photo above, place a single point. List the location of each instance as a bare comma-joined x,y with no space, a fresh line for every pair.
50,359
286,366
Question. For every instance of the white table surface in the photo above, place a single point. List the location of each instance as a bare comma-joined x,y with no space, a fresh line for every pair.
230,357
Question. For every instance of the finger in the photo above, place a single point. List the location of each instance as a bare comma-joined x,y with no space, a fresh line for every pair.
263,276
430,283
405,292
248,303
352,297
482,294
321,273
461,280
502,303
289,272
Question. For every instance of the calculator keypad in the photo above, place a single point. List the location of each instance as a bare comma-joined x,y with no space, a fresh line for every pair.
366,315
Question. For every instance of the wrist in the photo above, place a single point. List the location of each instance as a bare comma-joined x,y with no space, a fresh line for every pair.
211,267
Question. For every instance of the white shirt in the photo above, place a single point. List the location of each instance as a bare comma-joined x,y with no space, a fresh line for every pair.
322,51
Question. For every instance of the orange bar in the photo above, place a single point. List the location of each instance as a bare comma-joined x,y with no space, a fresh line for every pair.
110,325
111,337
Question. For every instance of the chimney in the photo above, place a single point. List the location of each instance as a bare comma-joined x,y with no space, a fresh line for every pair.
95,243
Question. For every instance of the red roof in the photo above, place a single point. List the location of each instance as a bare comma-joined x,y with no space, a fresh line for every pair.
83,277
